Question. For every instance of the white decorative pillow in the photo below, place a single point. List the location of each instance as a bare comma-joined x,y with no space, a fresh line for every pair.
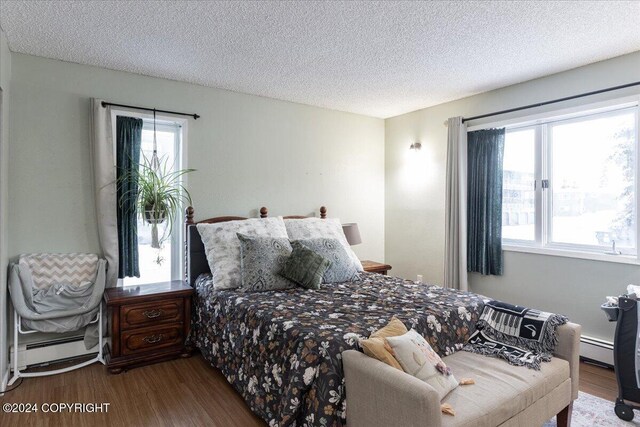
222,246
311,228
417,358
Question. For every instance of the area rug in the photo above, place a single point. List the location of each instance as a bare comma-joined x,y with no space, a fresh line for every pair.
590,411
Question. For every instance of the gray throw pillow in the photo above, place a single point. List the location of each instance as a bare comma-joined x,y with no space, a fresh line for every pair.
305,267
261,258
342,268
312,228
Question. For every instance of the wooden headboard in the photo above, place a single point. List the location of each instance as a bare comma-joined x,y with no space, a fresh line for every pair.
195,255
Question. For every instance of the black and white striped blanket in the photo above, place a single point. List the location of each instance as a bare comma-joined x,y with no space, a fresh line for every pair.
520,335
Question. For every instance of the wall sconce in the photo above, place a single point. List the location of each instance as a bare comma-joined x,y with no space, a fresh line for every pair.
417,170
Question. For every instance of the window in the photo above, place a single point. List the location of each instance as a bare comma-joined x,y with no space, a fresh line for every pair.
164,264
518,186
570,183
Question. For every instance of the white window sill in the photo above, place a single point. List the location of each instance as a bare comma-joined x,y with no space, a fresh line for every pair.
620,259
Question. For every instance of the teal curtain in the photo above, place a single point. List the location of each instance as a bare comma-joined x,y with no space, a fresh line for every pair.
485,153
128,140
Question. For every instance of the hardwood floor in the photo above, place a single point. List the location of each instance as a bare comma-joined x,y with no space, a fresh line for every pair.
598,381
183,392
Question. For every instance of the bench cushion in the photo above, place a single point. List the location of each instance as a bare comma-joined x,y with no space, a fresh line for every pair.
501,390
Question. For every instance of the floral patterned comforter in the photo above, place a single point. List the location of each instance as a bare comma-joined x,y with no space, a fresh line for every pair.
281,350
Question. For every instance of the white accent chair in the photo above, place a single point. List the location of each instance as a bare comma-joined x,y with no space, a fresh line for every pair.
68,273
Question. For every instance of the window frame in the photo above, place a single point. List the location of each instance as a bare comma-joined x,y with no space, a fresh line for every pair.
543,125
180,153
537,197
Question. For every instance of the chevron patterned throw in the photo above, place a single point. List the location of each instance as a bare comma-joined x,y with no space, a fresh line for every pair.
48,269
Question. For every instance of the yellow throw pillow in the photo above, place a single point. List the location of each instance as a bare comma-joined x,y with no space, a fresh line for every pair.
377,347
394,328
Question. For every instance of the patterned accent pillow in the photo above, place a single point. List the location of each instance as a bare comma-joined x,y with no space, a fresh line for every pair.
305,267
222,246
310,228
417,358
342,268
261,258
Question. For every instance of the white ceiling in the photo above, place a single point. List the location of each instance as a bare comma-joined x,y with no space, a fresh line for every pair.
375,58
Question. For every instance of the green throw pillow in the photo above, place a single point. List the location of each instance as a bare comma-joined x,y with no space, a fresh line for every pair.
305,267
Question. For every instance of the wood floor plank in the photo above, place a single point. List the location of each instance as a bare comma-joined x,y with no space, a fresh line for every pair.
598,381
185,392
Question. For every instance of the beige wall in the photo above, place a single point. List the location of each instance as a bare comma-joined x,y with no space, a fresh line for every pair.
249,152
5,77
415,199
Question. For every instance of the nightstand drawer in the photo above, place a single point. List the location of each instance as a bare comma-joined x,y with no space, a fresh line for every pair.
152,338
152,313
149,324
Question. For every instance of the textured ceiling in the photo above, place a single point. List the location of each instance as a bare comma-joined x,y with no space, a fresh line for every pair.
374,58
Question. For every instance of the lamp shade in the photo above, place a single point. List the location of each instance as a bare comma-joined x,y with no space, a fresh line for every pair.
352,233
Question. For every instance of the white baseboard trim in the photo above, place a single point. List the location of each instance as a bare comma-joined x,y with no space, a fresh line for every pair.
596,349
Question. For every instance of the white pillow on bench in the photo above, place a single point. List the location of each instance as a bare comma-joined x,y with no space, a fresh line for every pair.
417,358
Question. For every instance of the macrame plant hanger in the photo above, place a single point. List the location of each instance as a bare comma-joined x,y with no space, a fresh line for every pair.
155,161
155,166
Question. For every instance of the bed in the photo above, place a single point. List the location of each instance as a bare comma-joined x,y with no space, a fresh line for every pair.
281,350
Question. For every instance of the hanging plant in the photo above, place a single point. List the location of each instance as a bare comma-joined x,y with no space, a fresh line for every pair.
160,195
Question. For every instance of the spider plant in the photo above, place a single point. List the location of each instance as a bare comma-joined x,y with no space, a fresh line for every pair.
160,195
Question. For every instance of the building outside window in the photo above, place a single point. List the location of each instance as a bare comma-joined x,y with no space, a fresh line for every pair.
570,182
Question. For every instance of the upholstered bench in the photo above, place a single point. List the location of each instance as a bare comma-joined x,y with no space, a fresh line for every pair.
503,395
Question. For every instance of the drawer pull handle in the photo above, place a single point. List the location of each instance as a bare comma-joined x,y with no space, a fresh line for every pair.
152,314
152,339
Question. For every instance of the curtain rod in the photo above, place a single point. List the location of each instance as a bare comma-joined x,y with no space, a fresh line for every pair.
195,116
540,104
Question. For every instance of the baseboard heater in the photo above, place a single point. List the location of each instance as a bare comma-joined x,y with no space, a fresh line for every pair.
597,350
47,350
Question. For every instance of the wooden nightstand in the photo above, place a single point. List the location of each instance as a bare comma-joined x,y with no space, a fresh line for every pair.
149,323
375,267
